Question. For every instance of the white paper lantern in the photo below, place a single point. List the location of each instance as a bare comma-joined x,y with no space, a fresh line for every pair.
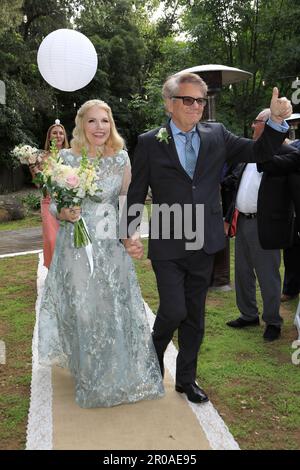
67,60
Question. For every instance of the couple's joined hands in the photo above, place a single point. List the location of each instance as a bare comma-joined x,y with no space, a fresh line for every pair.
134,246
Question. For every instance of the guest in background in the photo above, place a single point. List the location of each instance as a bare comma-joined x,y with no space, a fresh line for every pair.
291,257
264,226
57,133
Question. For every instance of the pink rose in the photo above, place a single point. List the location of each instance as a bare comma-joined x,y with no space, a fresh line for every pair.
72,181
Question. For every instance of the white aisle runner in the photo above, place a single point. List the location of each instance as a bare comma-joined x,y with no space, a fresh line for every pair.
40,425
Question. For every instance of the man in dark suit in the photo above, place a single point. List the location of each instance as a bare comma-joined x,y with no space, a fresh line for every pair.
265,224
279,226
294,185
182,163
277,199
291,255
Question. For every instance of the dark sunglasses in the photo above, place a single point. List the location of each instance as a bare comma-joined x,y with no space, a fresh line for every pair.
189,100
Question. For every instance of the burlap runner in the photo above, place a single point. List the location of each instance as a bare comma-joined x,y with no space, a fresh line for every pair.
168,423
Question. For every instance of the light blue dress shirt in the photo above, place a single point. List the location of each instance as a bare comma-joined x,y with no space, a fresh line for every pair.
283,127
179,140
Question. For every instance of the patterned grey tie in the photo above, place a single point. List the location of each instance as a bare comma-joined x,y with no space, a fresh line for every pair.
190,154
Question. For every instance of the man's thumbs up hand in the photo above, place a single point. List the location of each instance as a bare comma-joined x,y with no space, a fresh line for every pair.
281,108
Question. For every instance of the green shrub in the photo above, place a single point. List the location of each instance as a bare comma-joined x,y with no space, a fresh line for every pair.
32,201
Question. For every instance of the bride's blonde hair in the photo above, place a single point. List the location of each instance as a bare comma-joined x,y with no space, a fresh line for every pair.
115,141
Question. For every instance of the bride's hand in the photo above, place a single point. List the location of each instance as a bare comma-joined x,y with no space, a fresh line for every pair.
71,214
134,247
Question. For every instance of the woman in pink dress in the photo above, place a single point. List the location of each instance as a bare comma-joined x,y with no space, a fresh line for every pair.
50,225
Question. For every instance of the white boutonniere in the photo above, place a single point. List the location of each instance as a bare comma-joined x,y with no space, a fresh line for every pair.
163,135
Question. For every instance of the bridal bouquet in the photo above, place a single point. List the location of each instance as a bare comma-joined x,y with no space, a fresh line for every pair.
68,186
27,155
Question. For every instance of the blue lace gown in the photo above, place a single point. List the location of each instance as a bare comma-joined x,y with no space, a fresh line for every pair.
95,324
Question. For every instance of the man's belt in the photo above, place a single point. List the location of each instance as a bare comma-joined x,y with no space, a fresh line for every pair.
248,216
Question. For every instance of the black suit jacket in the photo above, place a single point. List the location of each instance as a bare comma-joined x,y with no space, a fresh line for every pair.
156,164
279,199
294,187
275,205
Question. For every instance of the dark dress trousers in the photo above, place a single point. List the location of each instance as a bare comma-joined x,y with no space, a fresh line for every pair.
280,203
183,275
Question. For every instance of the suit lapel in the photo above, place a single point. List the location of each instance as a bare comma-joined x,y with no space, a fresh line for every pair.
203,131
172,152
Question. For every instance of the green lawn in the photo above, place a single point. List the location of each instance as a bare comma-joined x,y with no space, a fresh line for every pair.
18,295
253,384
32,220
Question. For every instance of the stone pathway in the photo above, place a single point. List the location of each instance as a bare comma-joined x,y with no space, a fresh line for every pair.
23,240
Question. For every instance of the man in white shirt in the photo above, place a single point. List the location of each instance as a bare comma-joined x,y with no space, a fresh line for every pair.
251,260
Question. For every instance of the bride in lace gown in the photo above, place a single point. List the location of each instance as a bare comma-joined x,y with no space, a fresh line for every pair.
95,324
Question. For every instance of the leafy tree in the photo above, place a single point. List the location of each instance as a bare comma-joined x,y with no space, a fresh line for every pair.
41,18
137,50
10,14
175,56
121,51
10,134
29,101
260,36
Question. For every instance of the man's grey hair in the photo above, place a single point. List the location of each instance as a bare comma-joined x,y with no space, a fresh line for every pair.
172,84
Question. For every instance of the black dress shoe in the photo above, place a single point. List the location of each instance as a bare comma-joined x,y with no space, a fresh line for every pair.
241,323
194,393
272,333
